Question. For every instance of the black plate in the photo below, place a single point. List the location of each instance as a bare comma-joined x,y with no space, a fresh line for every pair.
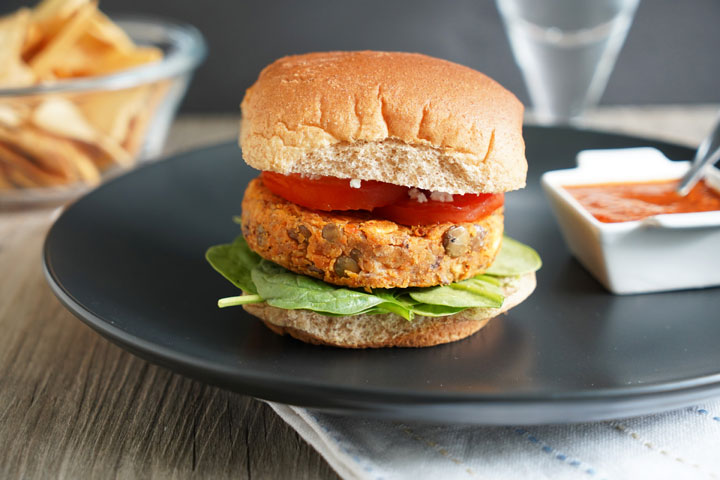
128,260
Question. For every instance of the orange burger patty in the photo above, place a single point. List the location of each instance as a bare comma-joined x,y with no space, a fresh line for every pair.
356,250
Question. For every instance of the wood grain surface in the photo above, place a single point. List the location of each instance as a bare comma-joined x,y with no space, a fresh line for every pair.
73,405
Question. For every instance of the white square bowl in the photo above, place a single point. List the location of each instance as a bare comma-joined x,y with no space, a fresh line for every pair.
659,253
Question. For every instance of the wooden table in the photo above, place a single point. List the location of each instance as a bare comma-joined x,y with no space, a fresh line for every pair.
73,405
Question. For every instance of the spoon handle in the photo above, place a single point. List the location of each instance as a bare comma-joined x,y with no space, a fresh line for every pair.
707,154
696,172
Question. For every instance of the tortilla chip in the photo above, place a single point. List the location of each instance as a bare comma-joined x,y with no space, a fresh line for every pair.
13,70
115,61
79,59
25,173
141,122
12,36
85,166
53,53
19,178
104,30
49,10
111,112
10,117
46,20
43,150
17,75
62,118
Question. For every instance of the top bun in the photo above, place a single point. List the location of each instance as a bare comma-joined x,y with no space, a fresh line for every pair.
402,118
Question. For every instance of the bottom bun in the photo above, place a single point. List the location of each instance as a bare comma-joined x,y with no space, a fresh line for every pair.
387,330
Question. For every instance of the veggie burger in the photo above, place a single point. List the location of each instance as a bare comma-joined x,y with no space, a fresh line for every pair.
377,220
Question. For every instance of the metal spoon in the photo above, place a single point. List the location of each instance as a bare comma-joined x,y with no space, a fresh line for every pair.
708,153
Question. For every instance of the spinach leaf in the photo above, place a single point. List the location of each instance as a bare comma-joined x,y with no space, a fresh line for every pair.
234,261
473,292
514,259
284,289
427,310
263,280
393,303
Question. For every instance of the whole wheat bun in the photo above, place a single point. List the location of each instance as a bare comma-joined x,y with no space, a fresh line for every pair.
402,118
387,330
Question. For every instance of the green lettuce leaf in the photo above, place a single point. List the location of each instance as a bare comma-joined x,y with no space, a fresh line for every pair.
265,281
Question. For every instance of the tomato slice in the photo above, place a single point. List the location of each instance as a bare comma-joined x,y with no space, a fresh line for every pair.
332,193
463,208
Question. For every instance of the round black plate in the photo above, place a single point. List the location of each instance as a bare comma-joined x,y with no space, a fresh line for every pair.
128,260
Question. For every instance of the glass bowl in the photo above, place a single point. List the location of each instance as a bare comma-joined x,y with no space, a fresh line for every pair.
86,130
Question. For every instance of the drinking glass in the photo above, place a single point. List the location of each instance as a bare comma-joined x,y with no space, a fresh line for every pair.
566,50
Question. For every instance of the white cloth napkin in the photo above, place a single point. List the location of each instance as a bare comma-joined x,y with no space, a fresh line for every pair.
681,444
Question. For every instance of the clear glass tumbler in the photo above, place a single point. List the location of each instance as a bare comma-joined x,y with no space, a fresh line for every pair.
566,50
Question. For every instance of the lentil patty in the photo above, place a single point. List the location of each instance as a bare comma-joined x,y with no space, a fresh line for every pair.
356,250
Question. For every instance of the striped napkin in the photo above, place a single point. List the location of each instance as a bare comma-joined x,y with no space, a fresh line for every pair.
680,444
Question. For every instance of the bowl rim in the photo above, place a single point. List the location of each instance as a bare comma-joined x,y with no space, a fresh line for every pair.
555,181
190,50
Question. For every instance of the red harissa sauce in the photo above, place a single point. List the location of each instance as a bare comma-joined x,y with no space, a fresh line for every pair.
625,202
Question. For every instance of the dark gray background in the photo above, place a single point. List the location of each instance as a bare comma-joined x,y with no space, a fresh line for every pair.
671,54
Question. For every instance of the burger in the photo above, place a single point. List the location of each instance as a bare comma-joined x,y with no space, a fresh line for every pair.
377,218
